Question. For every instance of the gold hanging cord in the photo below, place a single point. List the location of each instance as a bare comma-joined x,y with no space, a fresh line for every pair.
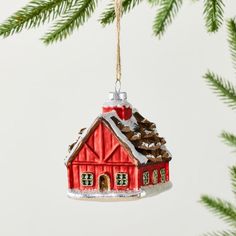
118,12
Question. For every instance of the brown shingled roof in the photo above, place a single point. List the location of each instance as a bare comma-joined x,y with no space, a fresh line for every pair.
145,138
141,134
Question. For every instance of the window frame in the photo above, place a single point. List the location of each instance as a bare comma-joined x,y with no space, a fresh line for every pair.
163,175
87,180
146,181
155,176
126,179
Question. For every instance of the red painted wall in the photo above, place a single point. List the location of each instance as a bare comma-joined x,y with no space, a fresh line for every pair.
103,153
150,168
110,170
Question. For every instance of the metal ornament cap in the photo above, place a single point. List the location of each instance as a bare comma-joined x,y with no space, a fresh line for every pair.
118,96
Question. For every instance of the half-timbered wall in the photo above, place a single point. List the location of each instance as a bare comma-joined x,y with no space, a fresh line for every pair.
102,153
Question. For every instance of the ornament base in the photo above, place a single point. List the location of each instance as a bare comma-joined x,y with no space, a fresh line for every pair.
109,196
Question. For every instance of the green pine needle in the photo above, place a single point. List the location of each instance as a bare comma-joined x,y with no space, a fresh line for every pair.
224,89
167,11
231,25
108,16
37,12
154,2
221,233
229,138
76,16
213,14
223,209
233,178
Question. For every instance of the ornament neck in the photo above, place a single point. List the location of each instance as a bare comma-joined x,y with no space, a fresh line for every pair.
118,102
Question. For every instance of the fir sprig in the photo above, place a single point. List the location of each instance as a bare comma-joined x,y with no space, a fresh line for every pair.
154,2
229,139
213,14
223,209
74,18
35,13
167,11
233,178
221,233
38,12
231,25
108,16
224,89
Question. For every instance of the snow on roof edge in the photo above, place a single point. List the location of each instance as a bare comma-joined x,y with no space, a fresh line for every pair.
107,116
77,144
117,103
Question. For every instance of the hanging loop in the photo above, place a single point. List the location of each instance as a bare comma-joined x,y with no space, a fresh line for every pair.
117,87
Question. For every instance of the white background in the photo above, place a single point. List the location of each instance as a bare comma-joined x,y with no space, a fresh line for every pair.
48,93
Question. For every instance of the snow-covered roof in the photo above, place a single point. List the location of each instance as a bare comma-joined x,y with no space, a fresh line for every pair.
145,144
130,123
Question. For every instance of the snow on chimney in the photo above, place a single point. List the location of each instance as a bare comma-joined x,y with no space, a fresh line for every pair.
118,102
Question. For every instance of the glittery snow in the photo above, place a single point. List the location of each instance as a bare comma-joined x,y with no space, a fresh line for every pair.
107,116
163,147
117,103
132,123
143,192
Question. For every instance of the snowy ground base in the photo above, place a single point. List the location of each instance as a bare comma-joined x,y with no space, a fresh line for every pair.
147,191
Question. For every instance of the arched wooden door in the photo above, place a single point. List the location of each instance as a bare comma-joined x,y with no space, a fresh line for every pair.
104,183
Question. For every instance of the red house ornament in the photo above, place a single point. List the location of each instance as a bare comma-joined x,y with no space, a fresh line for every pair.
121,156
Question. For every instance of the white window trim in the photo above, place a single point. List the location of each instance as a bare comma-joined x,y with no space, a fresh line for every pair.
146,180
127,180
81,178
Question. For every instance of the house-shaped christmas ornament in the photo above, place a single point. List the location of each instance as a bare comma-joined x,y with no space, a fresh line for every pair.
121,156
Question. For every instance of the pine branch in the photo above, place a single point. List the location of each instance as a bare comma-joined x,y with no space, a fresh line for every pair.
166,13
233,178
222,233
108,16
231,25
213,14
154,2
229,138
37,12
224,89
223,209
72,19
